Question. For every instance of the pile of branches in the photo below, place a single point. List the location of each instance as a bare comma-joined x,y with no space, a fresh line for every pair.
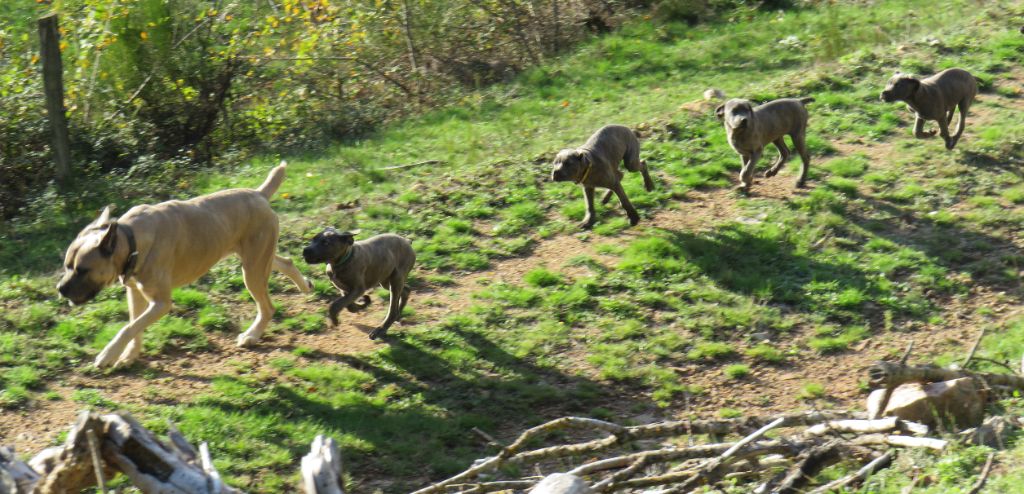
100,446
663,458
634,458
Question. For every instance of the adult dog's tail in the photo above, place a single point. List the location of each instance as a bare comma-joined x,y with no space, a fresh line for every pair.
273,181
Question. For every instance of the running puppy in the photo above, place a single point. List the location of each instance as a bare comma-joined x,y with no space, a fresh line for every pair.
596,164
153,249
355,267
751,128
935,98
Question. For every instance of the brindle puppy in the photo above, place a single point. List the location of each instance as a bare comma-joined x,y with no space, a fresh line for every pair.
355,267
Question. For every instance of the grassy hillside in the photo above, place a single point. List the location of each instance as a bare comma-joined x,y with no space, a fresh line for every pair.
715,305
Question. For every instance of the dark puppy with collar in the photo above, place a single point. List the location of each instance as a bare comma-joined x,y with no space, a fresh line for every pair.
935,98
355,267
596,164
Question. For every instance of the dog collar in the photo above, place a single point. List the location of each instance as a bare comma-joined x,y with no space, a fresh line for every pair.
586,173
345,258
133,253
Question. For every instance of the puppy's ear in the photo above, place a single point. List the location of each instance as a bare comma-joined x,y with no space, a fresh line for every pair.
913,83
720,111
109,242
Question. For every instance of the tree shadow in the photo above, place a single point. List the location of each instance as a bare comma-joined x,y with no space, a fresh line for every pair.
990,260
763,266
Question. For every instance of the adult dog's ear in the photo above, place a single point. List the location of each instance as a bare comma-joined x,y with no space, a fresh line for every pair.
104,216
347,238
109,242
720,112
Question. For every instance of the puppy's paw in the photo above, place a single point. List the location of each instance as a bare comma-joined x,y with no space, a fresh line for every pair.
378,334
800,184
247,340
585,224
742,189
771,172
634,220
950,144
309,285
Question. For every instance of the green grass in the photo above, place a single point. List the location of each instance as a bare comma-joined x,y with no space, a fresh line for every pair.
737,371
874,246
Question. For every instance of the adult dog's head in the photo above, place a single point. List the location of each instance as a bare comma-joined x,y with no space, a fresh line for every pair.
901,87
570,165
735,113
328,246
93,261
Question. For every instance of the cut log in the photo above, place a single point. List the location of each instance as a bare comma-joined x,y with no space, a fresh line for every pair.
321,468
151,465
957,404
16,477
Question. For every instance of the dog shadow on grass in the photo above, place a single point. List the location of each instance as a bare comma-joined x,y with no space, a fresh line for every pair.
407,412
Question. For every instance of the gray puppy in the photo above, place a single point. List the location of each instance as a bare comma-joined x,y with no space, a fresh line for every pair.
935,98
596,164
751,128
355,267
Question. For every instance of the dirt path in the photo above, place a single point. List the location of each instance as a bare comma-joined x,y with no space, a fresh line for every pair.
178,378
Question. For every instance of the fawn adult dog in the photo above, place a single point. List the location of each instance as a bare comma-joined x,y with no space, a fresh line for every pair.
153,249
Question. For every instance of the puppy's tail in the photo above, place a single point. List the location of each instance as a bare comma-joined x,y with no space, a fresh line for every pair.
273,181
806,100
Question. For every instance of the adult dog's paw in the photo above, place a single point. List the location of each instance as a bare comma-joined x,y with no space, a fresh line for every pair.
247,340
378,333
106,358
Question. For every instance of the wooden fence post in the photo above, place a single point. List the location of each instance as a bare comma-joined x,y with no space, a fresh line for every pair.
53,87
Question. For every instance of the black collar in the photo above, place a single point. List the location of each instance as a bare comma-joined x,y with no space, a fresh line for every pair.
133,253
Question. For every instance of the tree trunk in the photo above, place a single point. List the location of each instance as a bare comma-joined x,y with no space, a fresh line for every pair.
409,41
556,22
53,87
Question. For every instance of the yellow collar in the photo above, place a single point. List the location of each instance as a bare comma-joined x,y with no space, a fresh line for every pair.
586,173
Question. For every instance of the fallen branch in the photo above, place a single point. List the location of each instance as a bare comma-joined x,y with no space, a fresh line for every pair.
984,475
882,461
412,165
891,374
974,348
